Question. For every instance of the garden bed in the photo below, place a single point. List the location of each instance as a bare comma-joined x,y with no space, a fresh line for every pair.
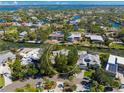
88,73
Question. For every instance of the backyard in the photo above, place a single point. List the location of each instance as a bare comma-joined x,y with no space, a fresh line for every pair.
116,45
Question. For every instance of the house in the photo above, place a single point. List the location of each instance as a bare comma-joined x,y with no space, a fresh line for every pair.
63,52
5,56
73,22
74,36
23,34
58,35
29,56
115,64
95,38
27,24
33,41
88,59
1,31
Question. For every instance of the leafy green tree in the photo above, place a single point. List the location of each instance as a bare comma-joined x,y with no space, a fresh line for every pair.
104,59
32,70
23,28
16,68
61,63
72,56
104,78
122,39
66,34
43,34
96,87
69,87
121,34
45,64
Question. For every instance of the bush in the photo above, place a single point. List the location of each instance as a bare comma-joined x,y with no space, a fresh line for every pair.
71,78
19,90
104,58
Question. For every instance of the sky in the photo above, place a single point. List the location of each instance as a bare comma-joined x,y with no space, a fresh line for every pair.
61,2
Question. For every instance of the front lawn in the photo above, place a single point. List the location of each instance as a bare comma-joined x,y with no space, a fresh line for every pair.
116,45
27,88
2,82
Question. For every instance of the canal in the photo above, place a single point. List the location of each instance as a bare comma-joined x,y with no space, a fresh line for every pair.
7,45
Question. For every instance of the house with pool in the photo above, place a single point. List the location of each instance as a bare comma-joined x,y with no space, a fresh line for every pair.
88,59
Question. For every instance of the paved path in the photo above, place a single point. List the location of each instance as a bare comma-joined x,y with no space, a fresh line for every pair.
121,77
78,81
5,70
18,84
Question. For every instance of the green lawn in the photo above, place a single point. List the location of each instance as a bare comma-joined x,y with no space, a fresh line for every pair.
27,88
117,46
88,73
2,82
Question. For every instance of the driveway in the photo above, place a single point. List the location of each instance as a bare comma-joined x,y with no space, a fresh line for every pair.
78,80
121,77
5,70
18,84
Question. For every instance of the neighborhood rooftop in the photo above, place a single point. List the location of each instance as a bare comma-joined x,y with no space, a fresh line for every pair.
95,37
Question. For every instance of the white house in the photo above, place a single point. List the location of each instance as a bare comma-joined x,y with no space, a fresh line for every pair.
96,38
87,59
30,56
23,34
115,63
74,36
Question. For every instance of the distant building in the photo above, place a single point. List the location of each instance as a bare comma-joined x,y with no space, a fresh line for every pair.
58,35
74,36
115,64
22,34
94,38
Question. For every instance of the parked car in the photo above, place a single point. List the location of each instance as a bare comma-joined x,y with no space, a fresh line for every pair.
87,86
61,86
107,89
38,85
121,86
85,81
87,90
86,78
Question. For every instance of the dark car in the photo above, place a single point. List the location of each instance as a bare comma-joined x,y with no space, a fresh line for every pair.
60,86
107,89
121,86
86,78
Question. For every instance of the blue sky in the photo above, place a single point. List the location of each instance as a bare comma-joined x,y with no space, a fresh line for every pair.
61,2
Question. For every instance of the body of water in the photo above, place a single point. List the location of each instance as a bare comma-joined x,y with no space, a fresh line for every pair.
53,7
114,24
